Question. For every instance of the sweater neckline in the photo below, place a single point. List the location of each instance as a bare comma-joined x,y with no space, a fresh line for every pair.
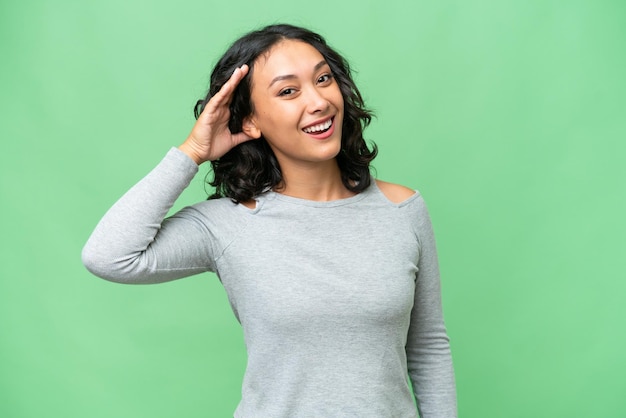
272,195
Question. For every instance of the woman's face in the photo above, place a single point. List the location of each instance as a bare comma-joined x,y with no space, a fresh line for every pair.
298,106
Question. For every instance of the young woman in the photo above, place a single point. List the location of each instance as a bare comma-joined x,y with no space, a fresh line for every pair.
333,275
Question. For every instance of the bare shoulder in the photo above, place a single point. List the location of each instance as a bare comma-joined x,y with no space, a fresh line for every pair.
395,192
250,204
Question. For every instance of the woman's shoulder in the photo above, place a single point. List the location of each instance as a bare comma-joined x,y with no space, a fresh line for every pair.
395,193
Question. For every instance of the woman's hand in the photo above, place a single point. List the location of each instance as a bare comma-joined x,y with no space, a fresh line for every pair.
210,137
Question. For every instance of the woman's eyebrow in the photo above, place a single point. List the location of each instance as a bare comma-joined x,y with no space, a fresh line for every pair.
290,76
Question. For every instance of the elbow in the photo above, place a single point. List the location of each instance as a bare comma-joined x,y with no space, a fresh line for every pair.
100,264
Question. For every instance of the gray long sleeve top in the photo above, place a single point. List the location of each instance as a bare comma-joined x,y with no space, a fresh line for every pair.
339,301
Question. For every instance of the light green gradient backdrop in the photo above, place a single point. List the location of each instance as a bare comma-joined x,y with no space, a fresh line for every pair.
507,115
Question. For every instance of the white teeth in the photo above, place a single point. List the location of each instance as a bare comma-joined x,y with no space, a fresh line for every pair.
318,128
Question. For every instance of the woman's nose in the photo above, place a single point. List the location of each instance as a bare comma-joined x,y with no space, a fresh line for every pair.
316,102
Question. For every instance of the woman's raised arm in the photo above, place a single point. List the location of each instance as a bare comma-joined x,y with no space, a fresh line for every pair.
133,243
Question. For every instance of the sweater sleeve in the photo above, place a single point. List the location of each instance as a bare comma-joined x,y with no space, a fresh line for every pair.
133,243
428,349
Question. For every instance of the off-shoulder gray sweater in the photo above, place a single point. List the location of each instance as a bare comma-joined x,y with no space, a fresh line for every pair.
339,301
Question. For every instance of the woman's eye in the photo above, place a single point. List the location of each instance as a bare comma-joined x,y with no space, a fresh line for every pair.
325,78
286,92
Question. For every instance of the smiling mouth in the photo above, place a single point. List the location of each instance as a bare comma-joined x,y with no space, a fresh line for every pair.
319,128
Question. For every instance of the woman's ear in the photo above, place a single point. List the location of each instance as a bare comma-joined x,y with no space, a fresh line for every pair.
249,128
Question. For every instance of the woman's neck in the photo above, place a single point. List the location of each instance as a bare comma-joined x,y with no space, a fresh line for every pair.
319,182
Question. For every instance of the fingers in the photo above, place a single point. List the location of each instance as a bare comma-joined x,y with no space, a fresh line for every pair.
225,93
224,96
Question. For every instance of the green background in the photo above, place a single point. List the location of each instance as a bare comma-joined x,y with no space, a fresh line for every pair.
509,116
